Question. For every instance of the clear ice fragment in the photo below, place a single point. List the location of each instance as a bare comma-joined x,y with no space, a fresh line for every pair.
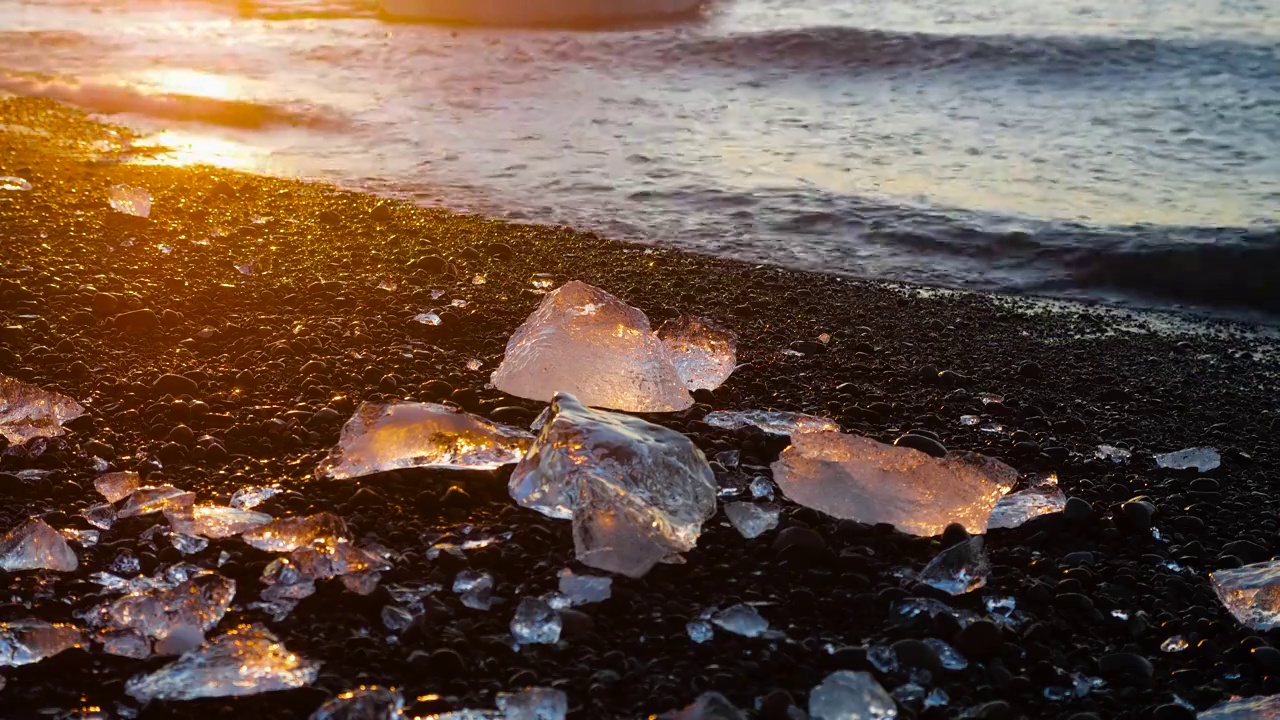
117,486
703,353
741,619
729,458
23,642
399,435
585,342
882,658
468,580
125,643
1017,508
395,618
1112,453
752,519
637,493
1202,459
188,544
147,499
248,498
199,602
584,589
774,422
848,695
288,534
961,568
427,318
130,200
856,478
364,703
28,412
533,703
245,661
535,622
1262,707
1174,644
36,546
214,521
86,538
1251,593
708,706
699,631
761,488
949,657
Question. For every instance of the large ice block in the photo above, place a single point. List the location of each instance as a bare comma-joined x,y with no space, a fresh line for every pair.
246,661
846,694
704,353
199,602
399,435
587,343
35,545
28,412
1251,593
856,478
214,521
289,534
23,642
636,492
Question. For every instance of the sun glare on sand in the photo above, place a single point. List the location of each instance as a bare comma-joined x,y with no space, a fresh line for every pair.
181,81
192,148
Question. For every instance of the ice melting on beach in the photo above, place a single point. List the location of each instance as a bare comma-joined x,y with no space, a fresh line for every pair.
214,521
365,703
1017,508
198,603
23,642
535,622
1251,593
533,703
399,435
245,661
741,619
35,545
961,568
704,353
637,493
130,200
584,589
28,412
1254,708
856,478
846,695
147,499
289,534
248,498
583,341
752,520
1203,459
117,486
774,422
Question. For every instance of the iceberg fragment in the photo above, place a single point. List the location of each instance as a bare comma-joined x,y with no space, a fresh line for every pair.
533,703
1112,453
35,545
741,619
199,602
708,706
774,422
399,435
535,622
699,631
28,412
125,643
248,498
365,703
147,499
856,478
1017,508
845,695
1202,459
703,353
637,493
961,568
245,661
130,200
1262,707
214,521
752,519
23,642
584,589
289,534
117,486
1251,593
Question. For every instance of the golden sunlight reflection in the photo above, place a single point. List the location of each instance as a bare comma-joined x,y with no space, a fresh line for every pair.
182,148
181,81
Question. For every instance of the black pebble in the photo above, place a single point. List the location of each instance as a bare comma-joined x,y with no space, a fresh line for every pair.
1078,510
1172,712
924,444
175,385
1125,664
979,640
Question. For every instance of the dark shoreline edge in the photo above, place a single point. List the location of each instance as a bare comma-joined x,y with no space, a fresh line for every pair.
899,359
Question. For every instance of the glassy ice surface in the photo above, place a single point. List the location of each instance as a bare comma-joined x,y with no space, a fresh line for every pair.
125,643
1174,644
535,622
288,534
774,422
365,703
585,342
846,695
23,642
427,318
1251,593
741,619
761,488
1017,508
130,200
395,618
949,657
708,706
856,478
752,519
1112,453
637,493
584,589
245,661
148,499
251,497
200,602
961,568
1254,708
1203,459
214,521
117,486
703,353
188,544
399,435
35,545
86,538
533,703
28,412
700,631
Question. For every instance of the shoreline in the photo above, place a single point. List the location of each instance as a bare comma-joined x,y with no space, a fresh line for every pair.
898,359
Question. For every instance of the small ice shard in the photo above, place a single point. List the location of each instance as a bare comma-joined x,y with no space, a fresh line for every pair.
535,622
474,364
1112,453
130,200
118,485
583,341
396,618
708,706
126,563
215,521
146,500
909,694
188,544
848,695
1017,508
741,619
637,493
289,534
1174,644
180,640
245,661
752,519
970,420
326,559
479,280
1202,459
882,658
774,422
476,588
761,488
199,602
125,643
961,568
28,412
35,545
856,478
399,435
100,516
729,458
699,631
704,353
364,703
11,183
533,703
584,589
542,281
86,538
23,642
949,657
427,318
937,697
1251,593
1262,707
248,498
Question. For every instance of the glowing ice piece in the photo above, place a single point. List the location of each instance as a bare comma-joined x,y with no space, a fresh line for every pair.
637,493
35,545
533,703
365,703
147,499
583,341
1203,459
845,695
1017,508
199,602
741,619
1251,593
117,486
583,589
398,435
23,642
961,568
130,200
535,622
214,521
752,520
289,534
1263,707
248,498
774,422
28,412
704,353
856,478
245,661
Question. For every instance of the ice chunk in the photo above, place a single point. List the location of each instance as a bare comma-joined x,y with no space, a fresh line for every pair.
288,534
180,640
1112,453
214,521
699,631
1017,508
1251,593
365,703
130,200
704,353
534,703
961,568
188,544
1174,644
199,602
882,658
1203,459
86,538
398,435
856,478
396,618
761,488
245,661
125,643
118,485
584,589
100,516
1263,707
741,619
28,412
11,183
708,706
147,499
752,519
535,622
36,546
636,492
249,498
427,318
774,422
476,588
337,558
23,642
848,695
949,657
583,341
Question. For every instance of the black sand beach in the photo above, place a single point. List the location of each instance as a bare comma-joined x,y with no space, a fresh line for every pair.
91,305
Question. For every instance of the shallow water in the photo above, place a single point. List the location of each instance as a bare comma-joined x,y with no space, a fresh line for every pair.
1085,148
